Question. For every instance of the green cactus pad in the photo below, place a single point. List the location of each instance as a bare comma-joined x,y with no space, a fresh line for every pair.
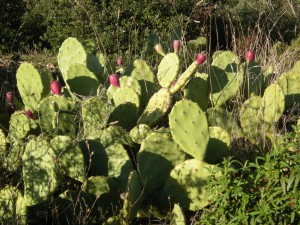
168,70
251,119
108,66
71,52
157,107
184,78
13,159
133,197
12,206
95,113
19,126
197,90
253,79
31,85
187,185
290,85
273,103
218,145
69,157
197,45
226,77
119,163
177,216
81,80
115,134
140,70
189,128
127,103
57,115
140,132
131,82
39,172
2,147
158,155
222,118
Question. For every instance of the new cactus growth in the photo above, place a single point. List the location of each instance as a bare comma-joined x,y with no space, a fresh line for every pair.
55,87
176,46
119,61
29,114
159,49
9,97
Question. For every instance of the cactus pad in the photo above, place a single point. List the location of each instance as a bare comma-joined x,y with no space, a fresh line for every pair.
158,155
168,70
157,107
31,85
187,184
69,157
273,103
189,128
39,172
140,132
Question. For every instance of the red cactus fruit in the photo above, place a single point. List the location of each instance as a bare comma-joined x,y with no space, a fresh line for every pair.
201,58
250,55
119,61
29,114
55,87
114,80
176,45
9,97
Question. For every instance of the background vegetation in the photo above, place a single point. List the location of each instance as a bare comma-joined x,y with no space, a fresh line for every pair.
123,26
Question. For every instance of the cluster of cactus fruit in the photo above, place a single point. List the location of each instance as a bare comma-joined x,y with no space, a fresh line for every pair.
122,141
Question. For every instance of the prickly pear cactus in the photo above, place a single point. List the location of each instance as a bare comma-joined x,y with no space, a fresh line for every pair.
157,107
115,134
189,128
57,115
140,132
12,206
168,70
218,145
187,185
133,197
13,159
157,157
253,79
220,117
39,171
197,90
81,81
69,157
106,191
273,103
290,85
127,104
31,85
95,113
197,45
140,70
2,147
226,77
19,126
177,216
184,78
251,119
71,52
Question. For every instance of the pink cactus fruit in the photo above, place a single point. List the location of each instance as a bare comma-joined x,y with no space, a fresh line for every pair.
114,80
120,61
55,87
201,58
176,45
9,97
250,55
